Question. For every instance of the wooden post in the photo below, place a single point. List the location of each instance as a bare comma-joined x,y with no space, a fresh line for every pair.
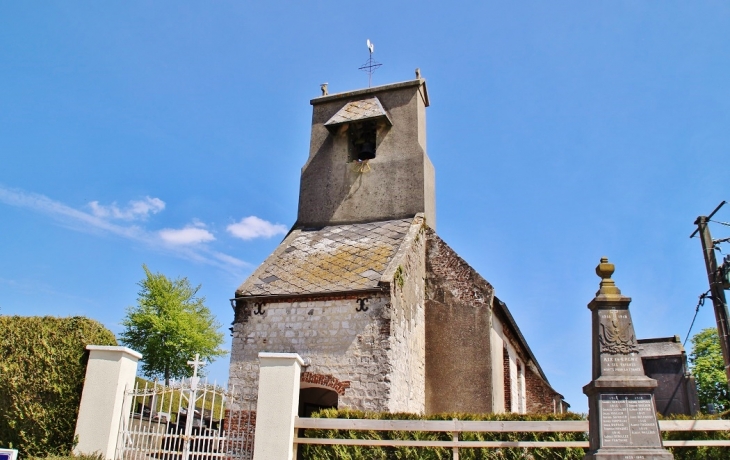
455,438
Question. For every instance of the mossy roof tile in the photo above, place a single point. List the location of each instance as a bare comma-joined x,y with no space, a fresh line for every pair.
335,258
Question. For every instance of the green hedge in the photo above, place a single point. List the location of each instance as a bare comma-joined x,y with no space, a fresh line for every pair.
312,452
70,457
42,368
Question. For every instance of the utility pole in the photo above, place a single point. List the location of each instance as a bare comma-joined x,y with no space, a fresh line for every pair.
717,292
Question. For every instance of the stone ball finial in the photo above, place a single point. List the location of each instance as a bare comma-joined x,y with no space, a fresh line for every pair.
604,270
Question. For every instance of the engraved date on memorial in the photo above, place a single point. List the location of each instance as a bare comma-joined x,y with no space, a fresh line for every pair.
628,420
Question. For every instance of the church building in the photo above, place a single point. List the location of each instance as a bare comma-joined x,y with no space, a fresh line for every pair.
386,316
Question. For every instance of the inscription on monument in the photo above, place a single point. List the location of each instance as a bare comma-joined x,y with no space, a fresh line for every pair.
621,365
628,420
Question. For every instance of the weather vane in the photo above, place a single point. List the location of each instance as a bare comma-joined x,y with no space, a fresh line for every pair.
371,65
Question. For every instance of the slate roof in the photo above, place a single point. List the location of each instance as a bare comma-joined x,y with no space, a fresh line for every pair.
359,110
661,346
335,258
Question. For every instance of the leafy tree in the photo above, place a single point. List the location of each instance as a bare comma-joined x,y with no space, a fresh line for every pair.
708,369
170,325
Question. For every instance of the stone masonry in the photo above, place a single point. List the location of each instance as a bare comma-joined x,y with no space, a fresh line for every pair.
339,341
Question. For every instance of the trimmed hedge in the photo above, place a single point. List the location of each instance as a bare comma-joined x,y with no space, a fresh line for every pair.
339,452
71,457
42,368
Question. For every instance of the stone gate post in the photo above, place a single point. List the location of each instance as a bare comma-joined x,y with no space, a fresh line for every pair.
110,371
278,403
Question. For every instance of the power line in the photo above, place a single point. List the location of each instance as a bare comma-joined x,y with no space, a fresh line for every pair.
697,310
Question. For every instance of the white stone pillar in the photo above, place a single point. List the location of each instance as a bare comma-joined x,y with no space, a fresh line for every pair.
278,403
110,371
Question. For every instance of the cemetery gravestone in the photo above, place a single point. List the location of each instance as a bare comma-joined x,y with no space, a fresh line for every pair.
621,411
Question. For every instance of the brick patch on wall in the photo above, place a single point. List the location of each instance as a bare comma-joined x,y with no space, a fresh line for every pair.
540,396
507,382
240,425
328,381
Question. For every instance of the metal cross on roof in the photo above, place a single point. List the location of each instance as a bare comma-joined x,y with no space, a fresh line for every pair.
370,66
196,363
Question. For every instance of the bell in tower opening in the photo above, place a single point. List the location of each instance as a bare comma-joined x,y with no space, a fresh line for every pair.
382,130
363,137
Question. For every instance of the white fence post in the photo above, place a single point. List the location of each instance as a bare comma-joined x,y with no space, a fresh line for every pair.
277,407
110,371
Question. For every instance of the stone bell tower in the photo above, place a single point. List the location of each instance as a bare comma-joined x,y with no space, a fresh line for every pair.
385,314
367,158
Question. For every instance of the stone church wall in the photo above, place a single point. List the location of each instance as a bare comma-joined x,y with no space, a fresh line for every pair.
408,326
458,312
344,345
420,347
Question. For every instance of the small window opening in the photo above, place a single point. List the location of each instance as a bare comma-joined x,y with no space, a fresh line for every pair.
363,136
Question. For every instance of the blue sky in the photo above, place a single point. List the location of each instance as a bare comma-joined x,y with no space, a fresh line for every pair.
172,134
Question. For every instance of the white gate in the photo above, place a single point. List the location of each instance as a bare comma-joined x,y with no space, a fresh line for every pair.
189,420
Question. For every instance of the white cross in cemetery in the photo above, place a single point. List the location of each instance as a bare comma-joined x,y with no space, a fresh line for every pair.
196,363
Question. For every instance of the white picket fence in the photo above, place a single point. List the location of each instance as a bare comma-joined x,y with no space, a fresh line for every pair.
456,427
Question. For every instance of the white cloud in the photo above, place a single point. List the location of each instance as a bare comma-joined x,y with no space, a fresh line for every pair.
135,209
252,227
59,210
230,260
178,242
190,234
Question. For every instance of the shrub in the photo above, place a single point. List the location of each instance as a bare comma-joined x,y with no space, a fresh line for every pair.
332,452
42,368
70,457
